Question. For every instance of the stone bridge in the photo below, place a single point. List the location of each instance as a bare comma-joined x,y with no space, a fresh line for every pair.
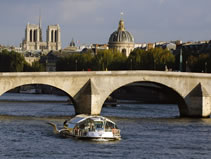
89,90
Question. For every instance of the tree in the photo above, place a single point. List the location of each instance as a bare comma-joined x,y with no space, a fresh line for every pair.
119,61
37,67
85,61
11,61
199,63
103,59
153,59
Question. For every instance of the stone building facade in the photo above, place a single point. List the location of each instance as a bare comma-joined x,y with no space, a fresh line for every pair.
33,38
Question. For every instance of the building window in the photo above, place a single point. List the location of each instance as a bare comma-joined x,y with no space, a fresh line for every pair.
30,35
52,35
124,51
56,36
35,35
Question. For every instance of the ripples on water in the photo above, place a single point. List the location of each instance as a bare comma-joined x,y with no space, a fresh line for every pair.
148,131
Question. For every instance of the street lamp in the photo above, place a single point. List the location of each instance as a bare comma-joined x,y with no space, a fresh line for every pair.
205,67
131,64
76,64
154,64
180,66
186,66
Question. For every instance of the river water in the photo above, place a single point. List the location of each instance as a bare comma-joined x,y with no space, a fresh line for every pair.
148,131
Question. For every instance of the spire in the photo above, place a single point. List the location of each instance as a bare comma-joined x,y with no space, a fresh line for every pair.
40,18
72,43
121,15
40,21
121,23
40,26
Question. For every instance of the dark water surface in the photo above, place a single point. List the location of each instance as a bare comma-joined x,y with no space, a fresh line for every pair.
148,131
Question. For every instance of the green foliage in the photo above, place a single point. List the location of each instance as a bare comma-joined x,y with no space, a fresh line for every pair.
11,61
37,67
110,59
27,67
162,58
119,61
199,63
153,59
73,62
103,60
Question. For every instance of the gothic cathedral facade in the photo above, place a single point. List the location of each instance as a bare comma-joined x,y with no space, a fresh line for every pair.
33,38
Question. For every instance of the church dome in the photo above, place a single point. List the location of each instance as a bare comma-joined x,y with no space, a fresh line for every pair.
121,35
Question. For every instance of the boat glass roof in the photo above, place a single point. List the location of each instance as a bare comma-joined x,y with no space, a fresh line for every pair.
80,118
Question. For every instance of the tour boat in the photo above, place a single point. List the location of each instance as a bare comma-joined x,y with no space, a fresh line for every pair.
89,127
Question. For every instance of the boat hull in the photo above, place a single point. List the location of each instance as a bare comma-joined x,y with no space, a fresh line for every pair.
98,138
95,138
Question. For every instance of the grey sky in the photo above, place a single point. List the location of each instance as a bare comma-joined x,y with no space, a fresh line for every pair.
92,21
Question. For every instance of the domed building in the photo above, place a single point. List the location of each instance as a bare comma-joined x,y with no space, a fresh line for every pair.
122,40
71,48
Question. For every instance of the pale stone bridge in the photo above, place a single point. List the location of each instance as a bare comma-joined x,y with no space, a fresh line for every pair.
89,90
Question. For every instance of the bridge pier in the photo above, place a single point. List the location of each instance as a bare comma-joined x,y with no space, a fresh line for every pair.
86,100
198,103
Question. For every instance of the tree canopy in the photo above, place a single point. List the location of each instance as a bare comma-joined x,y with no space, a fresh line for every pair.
11,61
114,60
153,59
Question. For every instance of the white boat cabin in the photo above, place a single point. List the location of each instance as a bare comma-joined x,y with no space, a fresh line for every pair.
94,127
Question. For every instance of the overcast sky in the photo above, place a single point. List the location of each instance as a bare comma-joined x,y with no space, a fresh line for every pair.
92,21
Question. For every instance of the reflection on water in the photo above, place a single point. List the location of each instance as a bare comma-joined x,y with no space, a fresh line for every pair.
148,131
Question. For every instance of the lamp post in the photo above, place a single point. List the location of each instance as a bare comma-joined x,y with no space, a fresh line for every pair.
205,69
180,61
186,66
76,64
154,64
131,64
103,66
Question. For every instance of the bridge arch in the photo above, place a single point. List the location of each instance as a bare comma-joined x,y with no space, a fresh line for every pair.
174,94
65,84
15,85
27,84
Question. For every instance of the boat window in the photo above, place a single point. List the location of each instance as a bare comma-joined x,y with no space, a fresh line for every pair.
76,119
110,125
82,126
71,125
98,124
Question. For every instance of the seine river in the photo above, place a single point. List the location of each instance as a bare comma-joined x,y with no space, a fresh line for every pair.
148,131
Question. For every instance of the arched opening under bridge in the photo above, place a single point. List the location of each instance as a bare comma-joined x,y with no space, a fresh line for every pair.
37,100
144,99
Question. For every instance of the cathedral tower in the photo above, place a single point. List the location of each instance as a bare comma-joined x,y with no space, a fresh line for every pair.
32,37
53,37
